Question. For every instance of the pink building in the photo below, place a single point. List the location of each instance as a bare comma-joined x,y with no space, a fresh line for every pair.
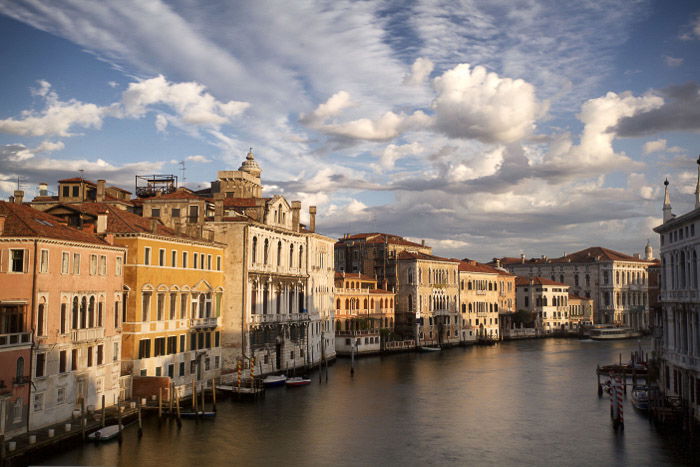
65,287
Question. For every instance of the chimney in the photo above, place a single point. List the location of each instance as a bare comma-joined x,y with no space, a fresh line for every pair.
312,218
178,227
19,196
43,189
2,224
109,238
101,222
296,208
154,225
522,258
422,243
218,210
498,263
100,197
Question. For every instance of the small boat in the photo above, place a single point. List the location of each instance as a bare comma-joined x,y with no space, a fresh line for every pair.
198,414
297,381
604,334
274,380
640,397
105,433
429,349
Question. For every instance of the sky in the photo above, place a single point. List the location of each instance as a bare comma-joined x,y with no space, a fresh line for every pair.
486,128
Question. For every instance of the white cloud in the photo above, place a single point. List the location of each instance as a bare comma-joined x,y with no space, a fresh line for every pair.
388,126
161,123
420,71
475,103
659,145
198,158
332,107
394,152
672,61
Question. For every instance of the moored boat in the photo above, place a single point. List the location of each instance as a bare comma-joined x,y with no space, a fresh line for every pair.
198,414
429,349
297,381
105,433
640,397
271,381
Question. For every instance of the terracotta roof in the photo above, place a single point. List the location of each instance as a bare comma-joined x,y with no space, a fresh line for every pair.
76,179
121,221
180,193
474,266
39,199
243,202
378,237
353,275
522,280
382,291
119,189
577,297
589,255
408,255
25,221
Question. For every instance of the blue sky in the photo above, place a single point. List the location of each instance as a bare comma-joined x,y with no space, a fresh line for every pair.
486,128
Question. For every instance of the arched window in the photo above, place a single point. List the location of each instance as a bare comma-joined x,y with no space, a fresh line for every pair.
266,251
469,285
266,297
254,252
410,303
91,313
347,304
40,318
301,257
99,314
365,307
254,299
74,314
337,304
291,255
279,253
83,313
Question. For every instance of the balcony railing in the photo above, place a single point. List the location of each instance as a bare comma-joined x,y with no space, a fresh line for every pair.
210,322
86,335
281,318
17,338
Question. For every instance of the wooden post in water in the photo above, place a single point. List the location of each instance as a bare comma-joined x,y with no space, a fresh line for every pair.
600,388
203,391
170,399
102,422
140,432
82,417
177,407
160,402
119,418
213,394
194,395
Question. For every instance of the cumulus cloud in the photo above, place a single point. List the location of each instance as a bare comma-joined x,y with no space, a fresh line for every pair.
198,158
659,145
680,110
475,103
394,152
332,107
692,31
388,126
420,71
672,61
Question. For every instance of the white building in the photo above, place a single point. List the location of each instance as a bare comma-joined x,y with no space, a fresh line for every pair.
547,300
677,327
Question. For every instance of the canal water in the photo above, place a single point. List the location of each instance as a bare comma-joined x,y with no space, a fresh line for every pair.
517,403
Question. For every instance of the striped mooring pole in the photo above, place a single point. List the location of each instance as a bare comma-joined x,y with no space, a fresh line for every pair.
616,402
239,369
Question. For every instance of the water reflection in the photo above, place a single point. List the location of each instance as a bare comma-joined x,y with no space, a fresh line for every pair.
529,402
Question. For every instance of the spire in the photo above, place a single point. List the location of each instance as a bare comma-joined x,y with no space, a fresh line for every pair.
668,215
648,252
697,187
249,165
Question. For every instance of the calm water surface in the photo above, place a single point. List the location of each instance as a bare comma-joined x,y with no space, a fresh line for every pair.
517,403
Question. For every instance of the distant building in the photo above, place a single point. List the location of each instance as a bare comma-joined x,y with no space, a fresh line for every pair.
65,286
677,324
617,283
580,312
362,311
547,300
428,298
79,190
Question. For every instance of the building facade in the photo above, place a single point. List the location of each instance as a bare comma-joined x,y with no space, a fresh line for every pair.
677,326
547,300
68,284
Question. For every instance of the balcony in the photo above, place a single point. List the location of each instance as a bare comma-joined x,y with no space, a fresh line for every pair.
281,318
87,335
201,323
15,339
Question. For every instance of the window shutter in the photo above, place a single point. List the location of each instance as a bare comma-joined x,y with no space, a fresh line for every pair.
25,265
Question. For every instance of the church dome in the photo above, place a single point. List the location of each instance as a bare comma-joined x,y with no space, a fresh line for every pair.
250,166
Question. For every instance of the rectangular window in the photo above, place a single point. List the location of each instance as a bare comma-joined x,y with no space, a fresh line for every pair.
173,258
217,338
194,214
147,255
116,314
144,372
115,355
159,346
201,261
118,267
218,263
145,348
100,354
65,259
60,395
209,262
155,212
193,341
171,370
172,344
175,212
62,361
161,257
44,261
207,344
40,365
74,359
66,191
89,356
103,265
76,191
76,263
182,369
194,263
17,260
38,402
63,318
158,371
184,259
93,265
182,343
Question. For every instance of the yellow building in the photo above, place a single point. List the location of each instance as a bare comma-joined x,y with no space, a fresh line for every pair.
174,291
